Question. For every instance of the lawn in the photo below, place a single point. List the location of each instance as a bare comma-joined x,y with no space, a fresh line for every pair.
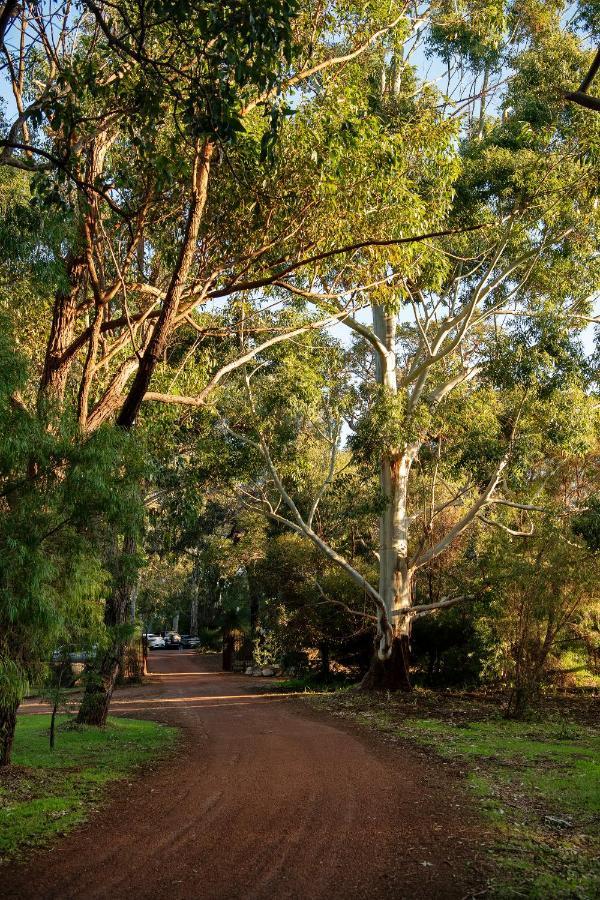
537,785
46,793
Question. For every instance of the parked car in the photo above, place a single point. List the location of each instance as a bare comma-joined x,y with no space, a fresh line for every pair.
172,640
77,656
155,642
189,642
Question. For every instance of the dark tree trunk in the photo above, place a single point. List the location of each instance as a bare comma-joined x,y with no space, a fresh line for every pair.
62,330
99,690
168,313
254,591
8,723
325,660
100,683
391,674
53,724
228,652
524,694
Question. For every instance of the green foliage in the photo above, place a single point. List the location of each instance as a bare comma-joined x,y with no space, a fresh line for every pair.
384,429
470,30
62,495
587,524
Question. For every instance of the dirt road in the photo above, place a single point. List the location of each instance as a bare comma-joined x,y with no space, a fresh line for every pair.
261,802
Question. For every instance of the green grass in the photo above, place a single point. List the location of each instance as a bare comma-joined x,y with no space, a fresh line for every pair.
311,683
537,784
46,793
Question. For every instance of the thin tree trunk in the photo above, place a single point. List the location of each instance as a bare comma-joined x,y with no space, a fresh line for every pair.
53,724
101,682
254,592
194,616
8,724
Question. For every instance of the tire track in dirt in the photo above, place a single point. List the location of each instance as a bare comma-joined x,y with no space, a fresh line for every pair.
261,802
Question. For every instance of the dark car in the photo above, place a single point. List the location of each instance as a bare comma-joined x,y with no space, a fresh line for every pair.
172,640
189,642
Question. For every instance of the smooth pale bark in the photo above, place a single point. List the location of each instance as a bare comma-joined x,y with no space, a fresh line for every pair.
390,666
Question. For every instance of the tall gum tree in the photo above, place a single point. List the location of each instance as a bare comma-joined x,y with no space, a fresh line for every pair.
132,294
442,339
124,139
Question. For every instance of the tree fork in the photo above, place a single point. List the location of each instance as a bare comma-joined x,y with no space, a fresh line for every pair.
99,690
392,674
64,315
168,314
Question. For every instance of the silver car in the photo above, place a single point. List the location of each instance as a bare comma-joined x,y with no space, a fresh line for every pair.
155,642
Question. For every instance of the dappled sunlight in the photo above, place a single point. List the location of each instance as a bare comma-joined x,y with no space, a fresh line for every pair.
242,701
189,674
204,699
148,704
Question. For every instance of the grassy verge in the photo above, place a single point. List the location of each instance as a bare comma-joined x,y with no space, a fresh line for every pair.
46,793
310,683
537,784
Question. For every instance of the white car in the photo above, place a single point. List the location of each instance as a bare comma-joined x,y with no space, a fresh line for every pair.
155,642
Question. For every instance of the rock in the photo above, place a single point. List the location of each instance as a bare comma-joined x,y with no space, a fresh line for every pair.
248,670
556,822
256,672
268,672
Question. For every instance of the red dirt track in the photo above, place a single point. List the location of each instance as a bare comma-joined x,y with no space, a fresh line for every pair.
262,801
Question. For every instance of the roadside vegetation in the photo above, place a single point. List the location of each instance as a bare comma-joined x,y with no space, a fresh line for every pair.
536,783
45,793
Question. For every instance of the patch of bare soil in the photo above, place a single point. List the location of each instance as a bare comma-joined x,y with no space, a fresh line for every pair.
264,801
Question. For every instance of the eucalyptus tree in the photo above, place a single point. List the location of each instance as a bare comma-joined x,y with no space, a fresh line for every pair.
146,123
96,96
458,392
272,145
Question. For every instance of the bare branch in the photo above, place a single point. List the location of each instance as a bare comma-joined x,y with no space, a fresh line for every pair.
512,531
425,608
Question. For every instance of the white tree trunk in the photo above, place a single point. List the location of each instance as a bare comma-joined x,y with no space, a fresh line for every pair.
395,575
